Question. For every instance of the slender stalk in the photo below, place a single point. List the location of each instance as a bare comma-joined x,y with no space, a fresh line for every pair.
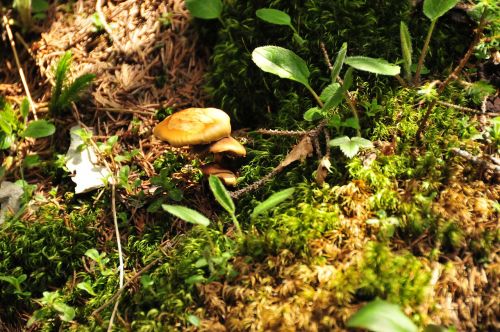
454,74
18,64
237,225
315,95
420,64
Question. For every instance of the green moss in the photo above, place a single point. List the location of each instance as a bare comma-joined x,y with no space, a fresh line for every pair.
47,249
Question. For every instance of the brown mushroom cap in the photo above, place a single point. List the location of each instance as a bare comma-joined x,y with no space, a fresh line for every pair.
228,145
194,126
226,176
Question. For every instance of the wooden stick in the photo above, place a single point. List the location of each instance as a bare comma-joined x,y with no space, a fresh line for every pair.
18,64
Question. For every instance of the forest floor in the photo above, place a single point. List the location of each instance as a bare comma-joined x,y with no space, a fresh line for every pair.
416,225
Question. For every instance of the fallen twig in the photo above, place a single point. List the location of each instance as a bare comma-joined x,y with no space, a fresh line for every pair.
18,64
476,160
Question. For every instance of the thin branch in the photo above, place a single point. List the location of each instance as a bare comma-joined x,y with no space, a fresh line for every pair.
458,107
126,285
476,160
18,64
277,132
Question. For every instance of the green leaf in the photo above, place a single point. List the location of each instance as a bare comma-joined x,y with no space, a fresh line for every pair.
205,9
39,128
313,114
282,62
93,254
38,6
274,16
382,316
25,108
6,141
372,65
221,194
187,214
347,80
434,9
350,146
339,62
329,91
194,320
272,201
351,123
86,286
67,313
406,48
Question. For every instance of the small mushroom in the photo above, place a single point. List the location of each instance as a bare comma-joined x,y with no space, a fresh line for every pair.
227,146
194,126
226,176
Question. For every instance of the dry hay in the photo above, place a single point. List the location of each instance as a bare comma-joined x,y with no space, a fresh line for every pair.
143,51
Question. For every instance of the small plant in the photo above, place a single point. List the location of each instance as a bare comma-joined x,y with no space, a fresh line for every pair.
14,125
52,302
433,9
382,316
224,198
64,92
278,17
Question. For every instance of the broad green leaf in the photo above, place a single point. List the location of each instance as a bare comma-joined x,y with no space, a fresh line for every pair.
434,9
347,80
282,62
186,214
372,65
67,313
406,48
39,128
205,9
274,16
221,194
38,6
382,316
86,286
328,92
272,201
350,146
6,141
362,142
194,320
313,114
351,123
93,254
339,94
339,62
25,108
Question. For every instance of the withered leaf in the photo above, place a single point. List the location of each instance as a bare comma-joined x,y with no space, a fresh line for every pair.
322,170
300,152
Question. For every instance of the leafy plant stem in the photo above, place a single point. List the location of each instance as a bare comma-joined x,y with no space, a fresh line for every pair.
479,32
424,53
315,95
237,225
401,81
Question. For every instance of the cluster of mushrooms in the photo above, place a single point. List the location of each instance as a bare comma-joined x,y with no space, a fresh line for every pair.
203,126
